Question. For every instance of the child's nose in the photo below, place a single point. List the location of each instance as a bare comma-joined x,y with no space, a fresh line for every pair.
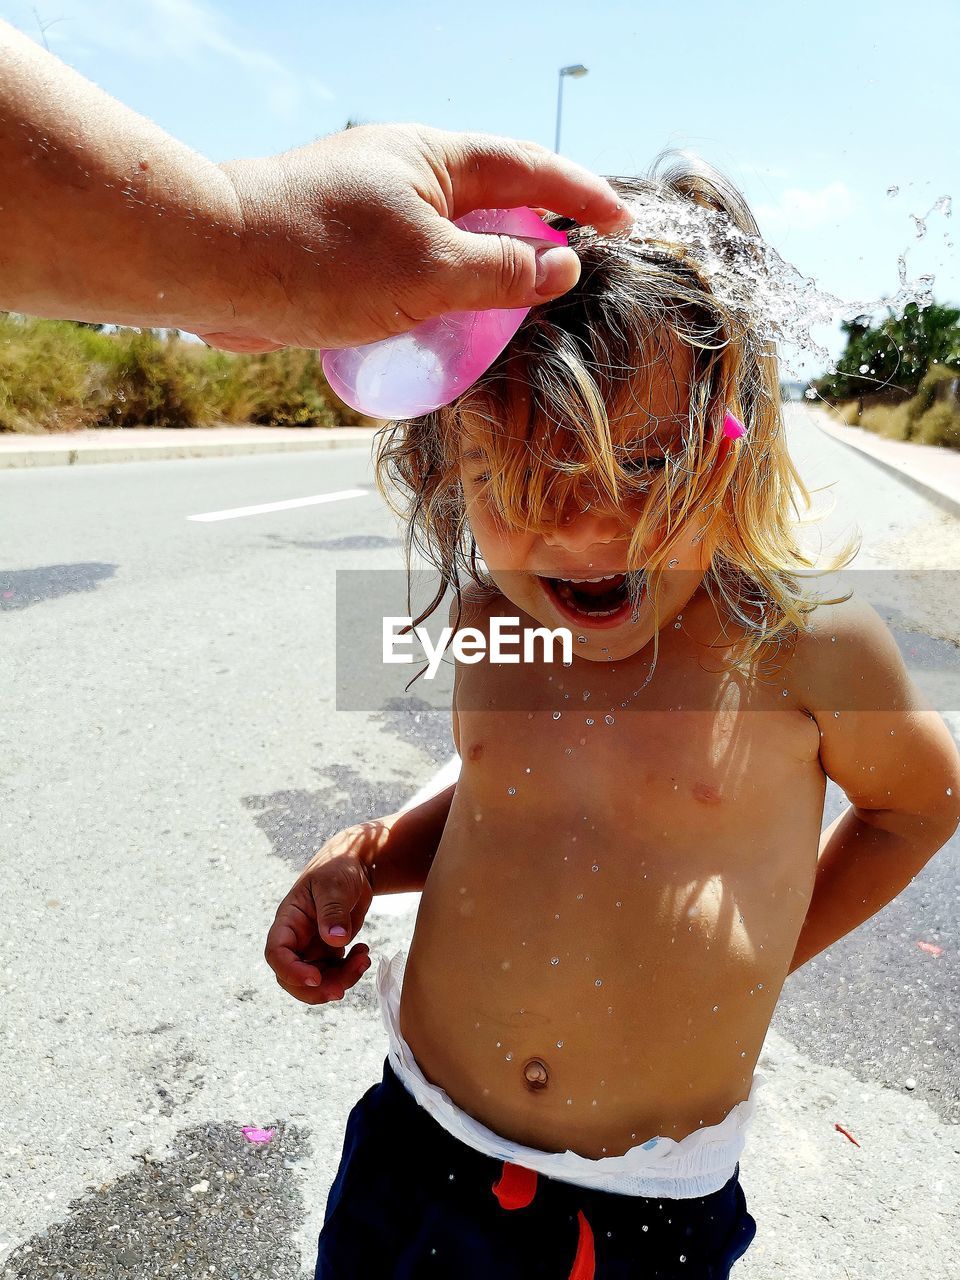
577,530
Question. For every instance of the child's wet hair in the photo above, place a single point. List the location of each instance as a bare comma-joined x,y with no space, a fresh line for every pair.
558,418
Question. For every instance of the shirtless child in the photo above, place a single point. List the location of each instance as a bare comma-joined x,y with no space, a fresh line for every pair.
627,869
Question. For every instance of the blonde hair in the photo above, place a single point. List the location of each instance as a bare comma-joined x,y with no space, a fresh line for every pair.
543,412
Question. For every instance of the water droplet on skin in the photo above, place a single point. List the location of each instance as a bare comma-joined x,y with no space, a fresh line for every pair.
581,639
786,693
672,563
568,751
743,1054
586,694
559,1044
836,715
579,897
555,959
527,770
589,722
556,715
599,982
619,904
644,1227
509,1057
683,1256
676,626
595,867
759,986
608,720
511,791
716,1008
949,791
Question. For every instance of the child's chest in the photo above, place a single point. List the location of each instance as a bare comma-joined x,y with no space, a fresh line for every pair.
696,751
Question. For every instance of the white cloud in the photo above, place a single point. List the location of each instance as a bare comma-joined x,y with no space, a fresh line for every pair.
801,210
184,32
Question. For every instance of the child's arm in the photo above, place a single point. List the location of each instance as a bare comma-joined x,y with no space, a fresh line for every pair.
894,758
398,850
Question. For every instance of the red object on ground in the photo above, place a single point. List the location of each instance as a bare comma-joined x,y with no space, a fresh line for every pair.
842,1130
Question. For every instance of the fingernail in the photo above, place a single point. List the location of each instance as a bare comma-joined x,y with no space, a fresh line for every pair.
311,982
337,931
558,270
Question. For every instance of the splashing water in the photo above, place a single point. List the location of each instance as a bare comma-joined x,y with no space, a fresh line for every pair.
750,278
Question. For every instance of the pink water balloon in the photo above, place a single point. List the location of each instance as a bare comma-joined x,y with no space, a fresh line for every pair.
435,362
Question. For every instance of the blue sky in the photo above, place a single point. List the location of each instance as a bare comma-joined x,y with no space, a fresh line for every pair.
814,109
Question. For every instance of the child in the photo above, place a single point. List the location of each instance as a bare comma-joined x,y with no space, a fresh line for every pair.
627,869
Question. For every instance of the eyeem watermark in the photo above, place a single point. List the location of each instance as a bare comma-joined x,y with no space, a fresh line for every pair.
505,643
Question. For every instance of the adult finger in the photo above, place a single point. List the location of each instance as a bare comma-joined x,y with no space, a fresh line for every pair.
484,271
487,171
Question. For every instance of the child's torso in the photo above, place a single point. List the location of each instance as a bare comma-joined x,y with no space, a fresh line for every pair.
613,907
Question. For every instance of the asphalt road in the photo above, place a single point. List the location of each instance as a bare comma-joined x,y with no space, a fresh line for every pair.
171,752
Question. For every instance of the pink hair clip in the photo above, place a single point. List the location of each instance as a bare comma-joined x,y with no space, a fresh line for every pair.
733,428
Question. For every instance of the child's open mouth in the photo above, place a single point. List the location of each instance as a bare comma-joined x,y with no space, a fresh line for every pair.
602,602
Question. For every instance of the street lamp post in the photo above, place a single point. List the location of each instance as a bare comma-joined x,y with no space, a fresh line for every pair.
576,72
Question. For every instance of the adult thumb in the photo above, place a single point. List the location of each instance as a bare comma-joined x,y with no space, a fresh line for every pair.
489,271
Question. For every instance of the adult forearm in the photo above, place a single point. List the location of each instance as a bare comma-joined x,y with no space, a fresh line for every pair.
864,863
398,850
104,216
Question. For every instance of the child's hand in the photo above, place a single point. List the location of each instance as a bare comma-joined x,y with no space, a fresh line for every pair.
309,961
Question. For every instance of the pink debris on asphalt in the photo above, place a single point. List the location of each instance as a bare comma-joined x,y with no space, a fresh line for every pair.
931,948
252,1134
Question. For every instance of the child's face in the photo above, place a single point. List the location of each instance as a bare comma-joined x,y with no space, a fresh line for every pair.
594,542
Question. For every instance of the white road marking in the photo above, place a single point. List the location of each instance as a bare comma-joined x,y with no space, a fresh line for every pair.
395,904
236,512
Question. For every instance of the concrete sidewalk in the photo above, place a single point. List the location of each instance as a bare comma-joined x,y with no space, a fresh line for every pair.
146,444
933,470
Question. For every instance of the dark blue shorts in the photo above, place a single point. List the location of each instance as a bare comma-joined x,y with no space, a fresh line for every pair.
411,1202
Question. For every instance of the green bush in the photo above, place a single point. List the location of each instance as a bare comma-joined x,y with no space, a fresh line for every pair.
288,389
939,425
155,383
891,421
59,376
51,378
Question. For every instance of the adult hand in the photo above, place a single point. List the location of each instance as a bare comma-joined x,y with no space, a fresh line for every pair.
352,238
105,217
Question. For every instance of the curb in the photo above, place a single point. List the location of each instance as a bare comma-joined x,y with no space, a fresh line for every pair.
22,458
945,501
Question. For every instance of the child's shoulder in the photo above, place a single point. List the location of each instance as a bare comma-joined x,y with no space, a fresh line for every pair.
845,651
880,740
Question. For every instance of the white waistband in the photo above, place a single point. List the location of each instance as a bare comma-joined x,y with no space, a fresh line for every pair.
696,1165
